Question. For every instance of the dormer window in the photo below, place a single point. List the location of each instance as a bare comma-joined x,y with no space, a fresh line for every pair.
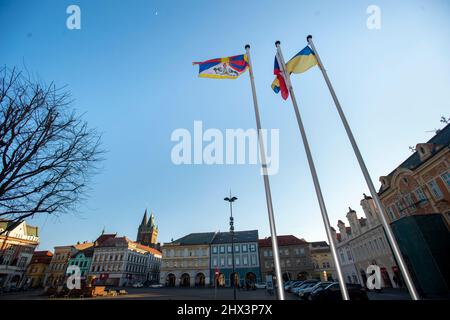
384,182
424,150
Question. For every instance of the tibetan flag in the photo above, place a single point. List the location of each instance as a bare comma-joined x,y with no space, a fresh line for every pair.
223,68
302,61
279,84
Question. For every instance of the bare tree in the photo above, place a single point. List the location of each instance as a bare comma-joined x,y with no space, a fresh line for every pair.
47,153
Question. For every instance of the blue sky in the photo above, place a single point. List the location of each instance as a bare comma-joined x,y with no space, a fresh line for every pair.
130,71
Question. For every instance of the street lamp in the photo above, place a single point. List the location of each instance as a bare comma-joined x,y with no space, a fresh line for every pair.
231,200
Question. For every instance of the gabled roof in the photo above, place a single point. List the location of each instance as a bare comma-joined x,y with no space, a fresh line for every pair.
103,237
196,238
239,236
88,252
125,242
286,240
42,257
83,246
440,141
29,230
115,242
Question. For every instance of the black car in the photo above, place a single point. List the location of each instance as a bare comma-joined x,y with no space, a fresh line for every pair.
333,293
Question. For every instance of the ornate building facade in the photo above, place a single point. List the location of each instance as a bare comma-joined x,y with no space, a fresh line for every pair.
364,243
416,196
118,261
16,251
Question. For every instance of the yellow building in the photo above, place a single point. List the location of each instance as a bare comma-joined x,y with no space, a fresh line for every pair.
322,259
56,272
37,268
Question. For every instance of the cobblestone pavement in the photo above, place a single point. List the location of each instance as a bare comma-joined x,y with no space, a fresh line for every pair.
199,294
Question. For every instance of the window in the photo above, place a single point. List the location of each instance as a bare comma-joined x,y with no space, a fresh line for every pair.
382,243
435,189
410,202
245,260
222,261
230,261
214,250
222,249
342,257
349,255
288,263
237,260
400,207
244,248
420,195
236,248
229,248
390,213
252,248
446,178
266,253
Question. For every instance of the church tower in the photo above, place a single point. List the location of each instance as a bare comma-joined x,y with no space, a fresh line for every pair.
147,231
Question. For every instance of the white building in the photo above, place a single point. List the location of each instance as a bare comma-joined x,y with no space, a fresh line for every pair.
16,250
363,244
119,261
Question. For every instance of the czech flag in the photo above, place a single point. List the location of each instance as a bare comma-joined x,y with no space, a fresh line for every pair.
279,84
223,68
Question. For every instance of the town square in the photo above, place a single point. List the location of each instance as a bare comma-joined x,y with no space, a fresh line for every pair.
210,159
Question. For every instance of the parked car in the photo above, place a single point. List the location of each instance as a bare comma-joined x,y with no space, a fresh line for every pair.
137,285
287,284
260,285
295,284
306,292
304,285
333,293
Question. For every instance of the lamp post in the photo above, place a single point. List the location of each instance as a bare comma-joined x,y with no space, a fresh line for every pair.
231,200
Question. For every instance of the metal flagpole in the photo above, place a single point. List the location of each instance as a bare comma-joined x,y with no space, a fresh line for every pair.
376,198
273,232
322,206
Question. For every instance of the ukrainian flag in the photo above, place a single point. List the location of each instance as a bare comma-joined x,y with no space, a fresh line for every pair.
302,61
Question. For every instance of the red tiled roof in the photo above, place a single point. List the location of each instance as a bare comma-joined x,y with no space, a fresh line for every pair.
148,249
124,241
102,238
282,241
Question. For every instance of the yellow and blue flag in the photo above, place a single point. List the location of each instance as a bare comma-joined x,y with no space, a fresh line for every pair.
302,61
223,68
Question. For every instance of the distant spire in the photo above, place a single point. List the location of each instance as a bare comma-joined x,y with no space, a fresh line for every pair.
151,222
144,219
